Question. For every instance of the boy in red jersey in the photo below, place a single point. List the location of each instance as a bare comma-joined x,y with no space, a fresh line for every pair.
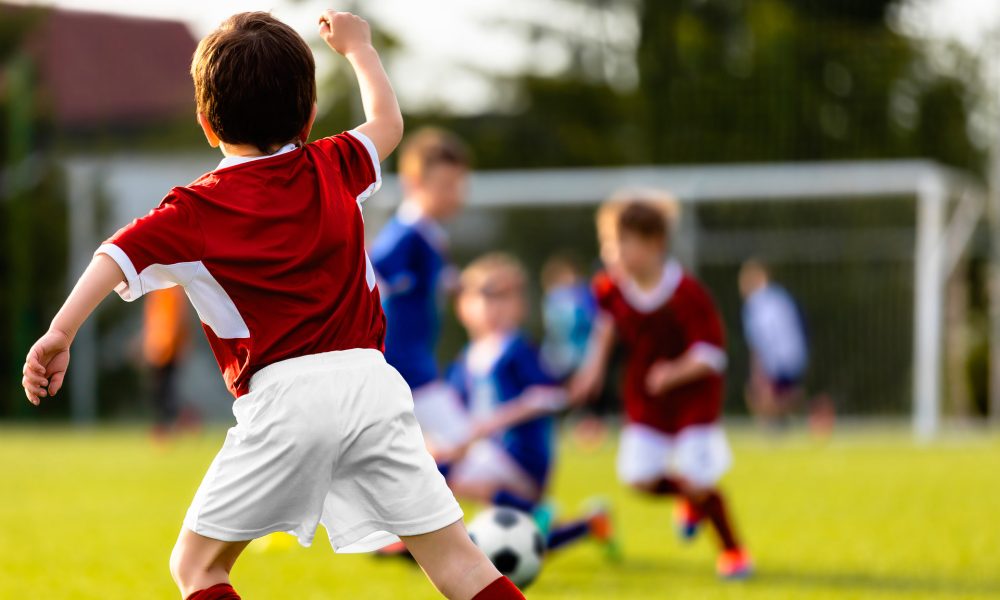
672,443
270,250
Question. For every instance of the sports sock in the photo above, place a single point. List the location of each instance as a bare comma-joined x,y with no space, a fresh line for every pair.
509,500
714,507
567,533
665,486
219,591
500,589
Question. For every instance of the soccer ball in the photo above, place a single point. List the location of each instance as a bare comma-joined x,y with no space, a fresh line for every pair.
512,542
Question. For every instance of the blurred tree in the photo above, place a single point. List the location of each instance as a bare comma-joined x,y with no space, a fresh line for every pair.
728,80
714,81
31,209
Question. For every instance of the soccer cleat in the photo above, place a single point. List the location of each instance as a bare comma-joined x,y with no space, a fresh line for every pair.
602,529
544,515
734,564
686,520
394,550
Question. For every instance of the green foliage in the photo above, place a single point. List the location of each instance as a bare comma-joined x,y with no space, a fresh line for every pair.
738,80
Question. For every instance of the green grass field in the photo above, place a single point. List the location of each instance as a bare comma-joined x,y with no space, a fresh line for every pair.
868,515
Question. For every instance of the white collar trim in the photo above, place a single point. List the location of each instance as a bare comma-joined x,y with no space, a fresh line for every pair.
648,301
231,161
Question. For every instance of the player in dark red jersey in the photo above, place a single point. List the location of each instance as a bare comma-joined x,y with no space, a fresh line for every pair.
672,443
269,247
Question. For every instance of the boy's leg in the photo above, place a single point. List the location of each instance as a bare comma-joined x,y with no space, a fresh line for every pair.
457,567
703,456
198,563
711,504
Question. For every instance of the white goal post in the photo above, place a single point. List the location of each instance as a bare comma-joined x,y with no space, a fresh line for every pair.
949,207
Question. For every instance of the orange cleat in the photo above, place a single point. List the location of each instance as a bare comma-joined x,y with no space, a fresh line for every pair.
602,529
686,520
394,550
734,564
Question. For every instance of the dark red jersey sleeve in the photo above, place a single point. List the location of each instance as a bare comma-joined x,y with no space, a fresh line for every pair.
701,322
162,249
355,157
604,290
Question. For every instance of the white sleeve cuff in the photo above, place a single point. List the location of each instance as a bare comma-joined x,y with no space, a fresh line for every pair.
711,355
373,155
131,288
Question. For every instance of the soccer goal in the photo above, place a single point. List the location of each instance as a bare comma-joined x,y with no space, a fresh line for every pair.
877,253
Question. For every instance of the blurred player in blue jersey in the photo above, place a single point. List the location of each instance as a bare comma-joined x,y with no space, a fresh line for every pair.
415,277
568,310
775,333
510,399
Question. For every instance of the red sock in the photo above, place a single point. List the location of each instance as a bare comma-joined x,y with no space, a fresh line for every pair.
219,591
713,507
500,589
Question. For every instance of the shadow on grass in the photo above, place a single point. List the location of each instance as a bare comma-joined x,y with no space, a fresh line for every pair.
842,581
878,582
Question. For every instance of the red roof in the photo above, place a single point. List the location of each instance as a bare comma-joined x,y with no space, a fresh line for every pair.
100,69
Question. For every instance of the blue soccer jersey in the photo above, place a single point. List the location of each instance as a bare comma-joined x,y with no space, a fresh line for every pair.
568,312
512,368
411,265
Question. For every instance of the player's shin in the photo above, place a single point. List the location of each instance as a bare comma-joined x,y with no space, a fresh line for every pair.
713,506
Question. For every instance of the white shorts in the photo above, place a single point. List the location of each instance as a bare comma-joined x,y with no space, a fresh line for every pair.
487,462
699,454
441,415
328,438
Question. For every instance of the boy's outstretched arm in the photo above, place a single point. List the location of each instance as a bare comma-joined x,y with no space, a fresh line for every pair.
350,36
536,401
46,363
701,360
586,383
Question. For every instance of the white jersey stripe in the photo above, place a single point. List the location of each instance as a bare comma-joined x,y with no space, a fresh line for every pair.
373,154
214,306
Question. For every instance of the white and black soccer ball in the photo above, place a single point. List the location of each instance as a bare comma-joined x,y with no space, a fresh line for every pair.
512,541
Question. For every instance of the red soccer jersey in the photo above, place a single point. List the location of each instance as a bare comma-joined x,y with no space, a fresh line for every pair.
663,324
270,252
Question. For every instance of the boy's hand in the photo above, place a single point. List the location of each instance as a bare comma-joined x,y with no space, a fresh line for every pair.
45,366
661,377
344,32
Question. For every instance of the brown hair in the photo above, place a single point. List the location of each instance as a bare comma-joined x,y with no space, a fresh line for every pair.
491,265
644,220
255,81
429,147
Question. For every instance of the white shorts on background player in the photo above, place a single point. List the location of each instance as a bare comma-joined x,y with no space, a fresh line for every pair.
487,462
441,414
699,454
325,439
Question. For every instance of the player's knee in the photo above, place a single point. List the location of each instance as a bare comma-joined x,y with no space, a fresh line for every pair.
640,482
186,570
177,570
